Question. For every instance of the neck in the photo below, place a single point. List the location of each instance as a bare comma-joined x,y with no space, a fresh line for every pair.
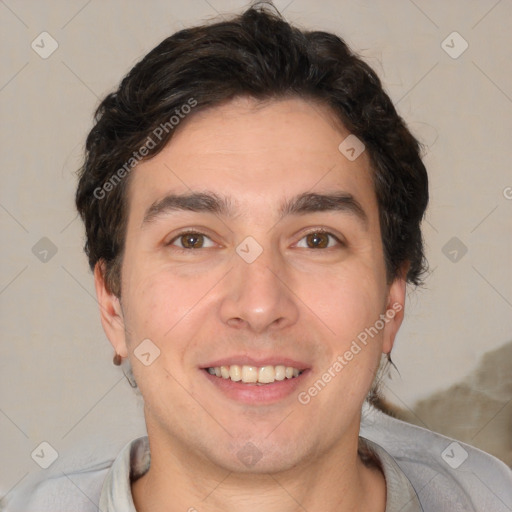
335,481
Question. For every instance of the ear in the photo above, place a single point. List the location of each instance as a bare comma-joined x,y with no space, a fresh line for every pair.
395,308
110,311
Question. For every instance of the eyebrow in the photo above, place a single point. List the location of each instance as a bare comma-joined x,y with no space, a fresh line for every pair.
210,202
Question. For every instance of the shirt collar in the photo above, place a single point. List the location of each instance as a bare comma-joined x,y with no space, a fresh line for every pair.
134,459
131,463
400,494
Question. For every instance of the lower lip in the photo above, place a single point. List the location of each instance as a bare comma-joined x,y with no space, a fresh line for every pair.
252,393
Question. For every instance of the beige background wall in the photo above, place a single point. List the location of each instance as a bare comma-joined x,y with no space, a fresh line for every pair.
57,381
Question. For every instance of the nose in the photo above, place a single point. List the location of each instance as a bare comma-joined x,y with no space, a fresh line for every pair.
257,295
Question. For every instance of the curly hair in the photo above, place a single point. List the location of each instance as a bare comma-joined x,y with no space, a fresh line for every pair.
256,54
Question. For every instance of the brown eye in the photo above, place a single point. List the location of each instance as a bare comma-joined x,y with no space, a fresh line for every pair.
191,240
315,240
318,240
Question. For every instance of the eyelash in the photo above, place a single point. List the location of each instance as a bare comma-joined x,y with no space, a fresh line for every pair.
183,233
313,231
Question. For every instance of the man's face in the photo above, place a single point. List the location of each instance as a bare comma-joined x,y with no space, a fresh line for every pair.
211,299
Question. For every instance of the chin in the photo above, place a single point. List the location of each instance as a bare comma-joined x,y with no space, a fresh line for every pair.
258,457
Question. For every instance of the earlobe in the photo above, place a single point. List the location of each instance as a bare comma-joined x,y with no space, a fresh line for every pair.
111,312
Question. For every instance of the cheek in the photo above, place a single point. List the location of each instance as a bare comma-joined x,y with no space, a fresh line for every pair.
169,308
152,303
350,302
157,311
158,304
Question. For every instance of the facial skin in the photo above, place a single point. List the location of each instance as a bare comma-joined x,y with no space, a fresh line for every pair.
294,302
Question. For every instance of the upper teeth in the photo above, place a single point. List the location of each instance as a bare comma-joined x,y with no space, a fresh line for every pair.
261,374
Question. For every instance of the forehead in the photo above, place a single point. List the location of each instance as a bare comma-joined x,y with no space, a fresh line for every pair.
255,153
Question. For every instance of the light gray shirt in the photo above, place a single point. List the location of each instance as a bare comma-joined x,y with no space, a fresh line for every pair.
424,471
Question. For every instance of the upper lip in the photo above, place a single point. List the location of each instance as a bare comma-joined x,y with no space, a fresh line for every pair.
244,360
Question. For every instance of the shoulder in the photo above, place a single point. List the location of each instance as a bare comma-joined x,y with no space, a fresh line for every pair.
62,490
443,472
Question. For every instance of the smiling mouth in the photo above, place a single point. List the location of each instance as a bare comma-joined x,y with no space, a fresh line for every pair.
258,375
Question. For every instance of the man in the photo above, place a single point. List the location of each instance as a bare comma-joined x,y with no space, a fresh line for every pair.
252,204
